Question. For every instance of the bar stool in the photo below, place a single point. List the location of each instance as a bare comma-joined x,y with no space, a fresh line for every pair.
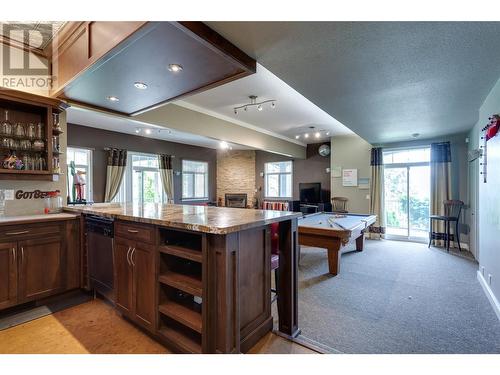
275,257
452,210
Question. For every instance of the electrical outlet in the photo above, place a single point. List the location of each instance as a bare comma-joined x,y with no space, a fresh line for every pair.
489,278
367,196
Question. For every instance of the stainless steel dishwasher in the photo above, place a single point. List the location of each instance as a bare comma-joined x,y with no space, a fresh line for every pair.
100,235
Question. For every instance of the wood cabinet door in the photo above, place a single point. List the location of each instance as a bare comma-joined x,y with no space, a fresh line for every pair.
143,262
42,264
8,274
123,275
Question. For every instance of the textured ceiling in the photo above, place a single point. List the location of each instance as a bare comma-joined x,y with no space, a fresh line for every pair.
383,80
34,34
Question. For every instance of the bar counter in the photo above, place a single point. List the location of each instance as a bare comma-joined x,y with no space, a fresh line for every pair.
206,219
218,259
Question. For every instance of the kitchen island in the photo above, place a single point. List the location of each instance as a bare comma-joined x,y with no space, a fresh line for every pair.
198,278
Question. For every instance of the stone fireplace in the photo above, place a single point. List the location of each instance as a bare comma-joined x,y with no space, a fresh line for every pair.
236,200
236,176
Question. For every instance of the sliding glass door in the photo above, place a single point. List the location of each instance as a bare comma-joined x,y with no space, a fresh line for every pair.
407,193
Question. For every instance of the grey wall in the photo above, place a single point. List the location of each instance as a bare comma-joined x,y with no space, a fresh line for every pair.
97,139
488,210
311,169
351,152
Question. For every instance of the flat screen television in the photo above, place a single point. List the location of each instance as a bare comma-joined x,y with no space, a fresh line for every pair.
310,192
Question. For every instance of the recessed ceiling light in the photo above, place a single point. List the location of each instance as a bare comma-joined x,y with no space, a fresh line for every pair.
327,133
112,98
317,134
140,85
224,145
297,136
306,135
273,105
175,67
259,107
147,131
138,130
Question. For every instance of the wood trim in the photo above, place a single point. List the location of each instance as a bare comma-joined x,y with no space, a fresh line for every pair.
210,38
32,99
74,33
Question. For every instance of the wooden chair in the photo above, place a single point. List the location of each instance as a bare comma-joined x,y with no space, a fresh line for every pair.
339,204
452,210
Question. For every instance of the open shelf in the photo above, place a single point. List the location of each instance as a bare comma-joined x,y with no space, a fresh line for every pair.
186,283
182,252
185,342
182,314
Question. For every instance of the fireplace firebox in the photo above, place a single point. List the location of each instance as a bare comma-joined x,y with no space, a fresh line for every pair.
236,200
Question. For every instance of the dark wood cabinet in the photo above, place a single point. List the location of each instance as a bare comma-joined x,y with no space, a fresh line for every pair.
8,274
135,279
35,260
123,276
41,268
143,263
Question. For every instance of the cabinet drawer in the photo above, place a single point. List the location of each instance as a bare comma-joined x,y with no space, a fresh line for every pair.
15,232
135,232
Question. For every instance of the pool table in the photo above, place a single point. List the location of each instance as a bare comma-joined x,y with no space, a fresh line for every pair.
332,231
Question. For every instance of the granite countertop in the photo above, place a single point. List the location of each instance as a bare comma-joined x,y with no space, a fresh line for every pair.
24,219
217,220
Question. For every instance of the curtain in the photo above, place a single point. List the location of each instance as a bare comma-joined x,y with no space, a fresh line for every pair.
117,161
167,176
440,184
377,230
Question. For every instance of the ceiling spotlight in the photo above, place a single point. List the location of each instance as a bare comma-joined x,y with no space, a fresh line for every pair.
317,134
297,136
255,103
147,131
112,98
175,67
235,111
224,145
327,133
306,135
140,85
137,130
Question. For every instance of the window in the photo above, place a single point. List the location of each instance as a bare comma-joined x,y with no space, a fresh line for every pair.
194,179
412,155
82,158
278,179
141,181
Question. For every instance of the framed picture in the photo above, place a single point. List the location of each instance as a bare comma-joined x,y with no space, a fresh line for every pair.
349,177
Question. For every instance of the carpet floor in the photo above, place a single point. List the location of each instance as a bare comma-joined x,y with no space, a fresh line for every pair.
396,297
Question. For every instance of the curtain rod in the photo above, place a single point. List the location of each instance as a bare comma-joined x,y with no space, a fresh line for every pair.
137,152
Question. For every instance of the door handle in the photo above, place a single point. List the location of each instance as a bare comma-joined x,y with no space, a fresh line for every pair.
22,255
132,256
14,254
128,252
17,233
132,231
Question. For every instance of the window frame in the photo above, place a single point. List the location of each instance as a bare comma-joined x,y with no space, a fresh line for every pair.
206,177
126,190
89,170
266,174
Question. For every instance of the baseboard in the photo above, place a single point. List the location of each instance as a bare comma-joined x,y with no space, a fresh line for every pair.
489,293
